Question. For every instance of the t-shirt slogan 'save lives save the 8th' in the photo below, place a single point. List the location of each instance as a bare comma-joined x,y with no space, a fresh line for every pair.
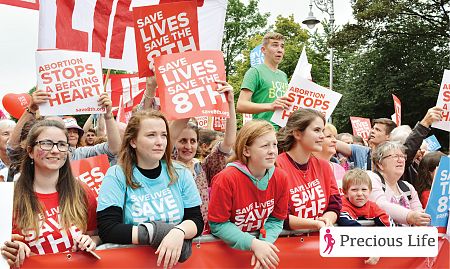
243,204
155,200
53,238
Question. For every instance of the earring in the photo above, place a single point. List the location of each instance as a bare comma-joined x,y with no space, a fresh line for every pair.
32,161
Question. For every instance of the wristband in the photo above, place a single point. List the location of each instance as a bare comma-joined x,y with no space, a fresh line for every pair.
29,111
178,228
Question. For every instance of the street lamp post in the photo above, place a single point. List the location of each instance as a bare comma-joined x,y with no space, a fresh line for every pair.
326,6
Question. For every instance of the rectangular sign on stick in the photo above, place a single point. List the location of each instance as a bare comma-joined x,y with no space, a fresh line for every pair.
164,29
307,94
187,87
361,127
73,79
6,207
444,102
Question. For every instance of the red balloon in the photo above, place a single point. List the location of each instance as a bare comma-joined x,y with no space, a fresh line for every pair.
15,104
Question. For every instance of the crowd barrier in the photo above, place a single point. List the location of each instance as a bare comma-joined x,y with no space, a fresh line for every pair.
298,249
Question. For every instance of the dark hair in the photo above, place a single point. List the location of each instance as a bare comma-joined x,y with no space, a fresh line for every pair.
298,120
389,124
207,136
427,165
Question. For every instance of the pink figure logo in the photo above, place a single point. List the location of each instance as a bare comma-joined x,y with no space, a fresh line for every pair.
330,241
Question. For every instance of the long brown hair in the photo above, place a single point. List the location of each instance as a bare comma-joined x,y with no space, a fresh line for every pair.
72,197
427,165
127,155
298,120
247,135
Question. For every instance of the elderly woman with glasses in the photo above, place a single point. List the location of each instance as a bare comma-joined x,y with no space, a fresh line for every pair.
397,197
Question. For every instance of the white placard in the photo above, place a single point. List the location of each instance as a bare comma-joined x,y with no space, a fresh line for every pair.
74,80
6,207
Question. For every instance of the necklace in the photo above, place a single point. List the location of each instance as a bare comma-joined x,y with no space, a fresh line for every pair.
302,172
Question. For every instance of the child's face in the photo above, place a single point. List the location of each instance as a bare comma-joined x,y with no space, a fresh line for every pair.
358,194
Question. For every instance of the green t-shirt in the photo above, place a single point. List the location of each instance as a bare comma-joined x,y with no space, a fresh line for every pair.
266,85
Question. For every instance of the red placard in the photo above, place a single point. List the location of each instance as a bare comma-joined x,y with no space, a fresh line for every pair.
128,85
398,110
91,170
361,127
219,124
31,4
164,29
186,84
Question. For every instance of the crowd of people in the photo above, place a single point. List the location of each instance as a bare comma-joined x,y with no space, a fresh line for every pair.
170,182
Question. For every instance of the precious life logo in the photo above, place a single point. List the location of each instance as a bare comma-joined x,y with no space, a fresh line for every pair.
379,241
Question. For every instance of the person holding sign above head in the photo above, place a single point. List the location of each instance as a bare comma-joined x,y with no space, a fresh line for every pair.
147,199
186,145
250,195
395,196
111,148
264,85
52,210
314,200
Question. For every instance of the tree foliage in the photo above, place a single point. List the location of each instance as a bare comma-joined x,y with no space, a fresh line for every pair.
241,23
396,47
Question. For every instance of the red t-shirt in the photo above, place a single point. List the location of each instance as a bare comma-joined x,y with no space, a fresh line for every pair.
235,198
52,237
309,196
424,198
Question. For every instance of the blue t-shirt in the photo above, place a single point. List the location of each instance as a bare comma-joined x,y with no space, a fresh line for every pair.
360,155
155,200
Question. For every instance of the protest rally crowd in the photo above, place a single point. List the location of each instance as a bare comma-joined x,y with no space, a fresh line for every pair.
169,180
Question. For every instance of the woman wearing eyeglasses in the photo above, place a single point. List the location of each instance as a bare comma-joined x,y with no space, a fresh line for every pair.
52,210
397,197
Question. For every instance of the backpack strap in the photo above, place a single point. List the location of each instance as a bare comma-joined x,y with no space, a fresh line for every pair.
401,184
369,161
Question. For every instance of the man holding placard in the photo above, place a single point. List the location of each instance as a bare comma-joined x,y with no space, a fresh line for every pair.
264,85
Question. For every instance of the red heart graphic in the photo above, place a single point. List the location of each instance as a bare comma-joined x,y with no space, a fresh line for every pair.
15,104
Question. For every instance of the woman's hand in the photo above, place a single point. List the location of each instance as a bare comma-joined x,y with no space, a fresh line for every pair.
84,242
264,254
226,89
15,251
38,97
418,218
170,248
105,102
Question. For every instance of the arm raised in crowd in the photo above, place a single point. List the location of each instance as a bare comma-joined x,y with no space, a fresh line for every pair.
230,128
112,131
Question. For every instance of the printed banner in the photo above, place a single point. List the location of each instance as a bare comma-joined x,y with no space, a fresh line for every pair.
124,112
219,124
164,29
361,127
73,79
106,27
398,110
186,84
438,203
256,56
6,207
30,4
444,102
202,122
91,170
246,118
307,94
432,143
130,86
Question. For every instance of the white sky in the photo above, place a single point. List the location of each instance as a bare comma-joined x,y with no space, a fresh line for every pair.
19,34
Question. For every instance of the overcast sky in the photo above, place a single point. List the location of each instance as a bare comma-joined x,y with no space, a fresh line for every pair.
19,33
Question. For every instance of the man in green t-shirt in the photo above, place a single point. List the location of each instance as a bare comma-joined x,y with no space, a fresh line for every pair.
264,85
